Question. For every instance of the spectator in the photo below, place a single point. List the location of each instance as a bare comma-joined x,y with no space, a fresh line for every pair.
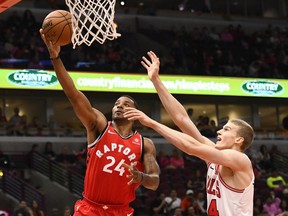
191,211
172,201
190,184
285,192
29,156
284,206
163,160
265,159
80,161
52,125
274,153
67,211
272,206
199,181
258,207
205,128
214,128
14,123
190,112
49,152
178,212
158,205
24,126
201,203
258,172
65,158
254,155
36,211
36,122
22,210
176,160
34,149
187,201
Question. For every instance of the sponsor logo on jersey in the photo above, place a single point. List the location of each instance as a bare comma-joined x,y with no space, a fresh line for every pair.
136,141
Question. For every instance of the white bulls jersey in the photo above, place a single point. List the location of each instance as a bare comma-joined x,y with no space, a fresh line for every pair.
223,200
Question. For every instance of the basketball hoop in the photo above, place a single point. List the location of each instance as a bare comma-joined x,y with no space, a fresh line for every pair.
92,20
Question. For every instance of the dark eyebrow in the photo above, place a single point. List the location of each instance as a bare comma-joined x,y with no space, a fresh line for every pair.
128,101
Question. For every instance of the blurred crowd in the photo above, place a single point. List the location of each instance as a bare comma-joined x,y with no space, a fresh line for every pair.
33,209
232,51
22,125
182,190
67,158
189,199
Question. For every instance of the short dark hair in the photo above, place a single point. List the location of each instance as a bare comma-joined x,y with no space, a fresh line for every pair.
131,98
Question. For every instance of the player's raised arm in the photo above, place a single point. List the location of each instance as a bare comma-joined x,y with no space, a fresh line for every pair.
174,108
228,158
82,107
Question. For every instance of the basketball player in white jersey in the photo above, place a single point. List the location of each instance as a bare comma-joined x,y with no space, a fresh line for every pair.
230,177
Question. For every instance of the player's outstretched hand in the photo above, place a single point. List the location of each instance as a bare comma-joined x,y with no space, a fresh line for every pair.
53,49
135,175
133,114
151,66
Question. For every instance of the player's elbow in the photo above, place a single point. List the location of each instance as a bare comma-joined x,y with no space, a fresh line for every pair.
155,187
178,119
153,184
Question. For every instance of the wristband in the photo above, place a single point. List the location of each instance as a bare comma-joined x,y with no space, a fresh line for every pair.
55,58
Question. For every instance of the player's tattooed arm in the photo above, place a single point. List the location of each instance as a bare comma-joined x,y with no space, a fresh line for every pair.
150,178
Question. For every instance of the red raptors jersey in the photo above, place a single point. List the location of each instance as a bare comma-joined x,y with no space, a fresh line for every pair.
223,200
105,180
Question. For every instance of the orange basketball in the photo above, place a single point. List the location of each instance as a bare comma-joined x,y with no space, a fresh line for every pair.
57,27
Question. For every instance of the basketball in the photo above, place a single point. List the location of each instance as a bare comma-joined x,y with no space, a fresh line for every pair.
57,27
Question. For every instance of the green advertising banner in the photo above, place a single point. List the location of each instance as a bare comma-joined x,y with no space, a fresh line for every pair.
136,83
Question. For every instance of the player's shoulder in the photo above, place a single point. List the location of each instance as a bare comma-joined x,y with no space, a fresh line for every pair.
238,157
148,140
148,144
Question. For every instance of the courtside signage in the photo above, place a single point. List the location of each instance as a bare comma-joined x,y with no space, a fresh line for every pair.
137,83
262,87
32,78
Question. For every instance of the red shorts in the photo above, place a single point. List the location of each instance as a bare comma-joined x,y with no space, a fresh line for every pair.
88,208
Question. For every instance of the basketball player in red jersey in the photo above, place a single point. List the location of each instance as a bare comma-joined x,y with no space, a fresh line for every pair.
230,178
109,187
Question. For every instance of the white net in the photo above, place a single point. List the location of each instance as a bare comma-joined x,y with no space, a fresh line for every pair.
92,20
